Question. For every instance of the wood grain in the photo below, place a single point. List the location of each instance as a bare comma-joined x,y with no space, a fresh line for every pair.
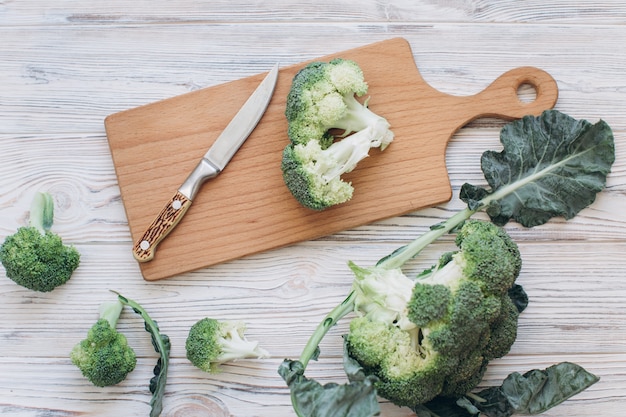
247,209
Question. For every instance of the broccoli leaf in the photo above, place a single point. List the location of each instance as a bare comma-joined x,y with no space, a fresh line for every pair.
532,393
447,407
312,399
551,165
162,346
539,390
519,297
536,391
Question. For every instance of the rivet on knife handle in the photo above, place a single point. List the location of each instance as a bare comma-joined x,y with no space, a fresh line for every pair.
164,223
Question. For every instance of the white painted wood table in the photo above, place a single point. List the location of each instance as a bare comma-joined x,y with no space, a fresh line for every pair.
66,65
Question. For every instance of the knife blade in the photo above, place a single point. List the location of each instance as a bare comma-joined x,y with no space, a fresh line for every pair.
211,164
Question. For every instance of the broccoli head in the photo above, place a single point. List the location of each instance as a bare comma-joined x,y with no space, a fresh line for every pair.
104,357
36,258
322,99
447,324
212,342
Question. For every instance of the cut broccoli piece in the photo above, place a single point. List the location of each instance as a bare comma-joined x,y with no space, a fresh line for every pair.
211,343
322,98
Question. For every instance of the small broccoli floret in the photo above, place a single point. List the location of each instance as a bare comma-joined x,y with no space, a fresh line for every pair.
489,256
36,258
503,330
104,356
434,335
465,376
211,343
322,99
313,174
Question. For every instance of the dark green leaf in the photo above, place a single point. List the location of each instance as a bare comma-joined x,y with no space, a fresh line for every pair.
519,297
162,346
354,370
551,165
446,407
494,403
539,390
311,399
534,392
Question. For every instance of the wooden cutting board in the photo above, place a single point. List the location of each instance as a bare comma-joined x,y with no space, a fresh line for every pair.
247,208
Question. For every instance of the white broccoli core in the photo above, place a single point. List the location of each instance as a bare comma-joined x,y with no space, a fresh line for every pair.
235,345
383,295
449,275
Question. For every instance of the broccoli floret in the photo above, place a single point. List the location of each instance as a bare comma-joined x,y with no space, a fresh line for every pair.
212,342
406,373
503,330
36,258
313,174
447,324
322,99
104,356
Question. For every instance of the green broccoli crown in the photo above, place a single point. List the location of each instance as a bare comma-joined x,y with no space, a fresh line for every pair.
211,343
34,257
462,306
104,357
323,97
435,335
503,330
40,262
488,256
319,99
468,316
312,177
466,375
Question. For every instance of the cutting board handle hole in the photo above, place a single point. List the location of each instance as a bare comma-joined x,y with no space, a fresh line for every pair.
526,92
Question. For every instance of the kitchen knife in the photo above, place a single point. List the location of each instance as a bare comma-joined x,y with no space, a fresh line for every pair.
211,164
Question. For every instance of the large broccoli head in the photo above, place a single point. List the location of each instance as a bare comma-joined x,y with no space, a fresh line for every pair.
36,258
453,319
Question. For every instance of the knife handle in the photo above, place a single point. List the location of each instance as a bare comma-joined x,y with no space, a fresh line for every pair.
168,218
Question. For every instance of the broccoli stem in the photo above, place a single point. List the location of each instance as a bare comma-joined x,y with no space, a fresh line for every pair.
396,260
311,350
400,257
161,344
358,116
111,311
41,212
348,153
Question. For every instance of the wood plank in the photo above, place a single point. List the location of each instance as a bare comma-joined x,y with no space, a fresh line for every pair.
50,92
71,12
